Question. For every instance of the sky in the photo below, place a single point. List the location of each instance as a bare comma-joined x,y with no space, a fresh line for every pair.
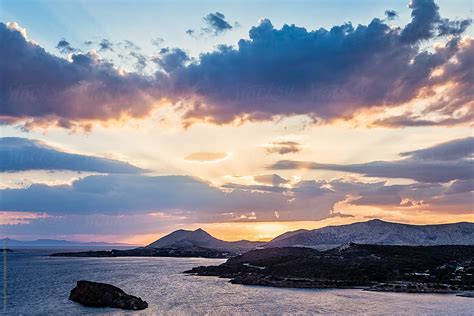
124,122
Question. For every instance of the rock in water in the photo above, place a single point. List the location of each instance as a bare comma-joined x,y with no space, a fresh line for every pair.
94,294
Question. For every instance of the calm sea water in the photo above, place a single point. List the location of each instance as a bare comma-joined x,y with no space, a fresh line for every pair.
39,285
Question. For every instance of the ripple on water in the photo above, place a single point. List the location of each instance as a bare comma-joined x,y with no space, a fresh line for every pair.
38,284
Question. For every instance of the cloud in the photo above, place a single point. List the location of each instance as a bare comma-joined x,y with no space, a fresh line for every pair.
121,203
340,214
432,198
391,14
441,163
206,156
139,204
186,196
451,150
43,89
20,154
426,23
461,186
105,45
284,147
65,47
157,42
215,24
270,179
171,59
326,74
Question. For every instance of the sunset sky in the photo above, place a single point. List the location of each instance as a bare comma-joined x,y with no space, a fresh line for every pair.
123,122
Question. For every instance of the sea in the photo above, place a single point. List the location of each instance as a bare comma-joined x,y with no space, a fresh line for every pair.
34,283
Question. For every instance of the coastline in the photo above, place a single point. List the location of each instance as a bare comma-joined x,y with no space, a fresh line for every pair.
302,283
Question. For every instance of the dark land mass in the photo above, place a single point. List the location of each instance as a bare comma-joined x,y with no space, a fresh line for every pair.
418,269
193,251
95,294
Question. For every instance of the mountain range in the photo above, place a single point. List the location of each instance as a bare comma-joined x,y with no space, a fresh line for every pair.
199,243
377,232
57,243
371,232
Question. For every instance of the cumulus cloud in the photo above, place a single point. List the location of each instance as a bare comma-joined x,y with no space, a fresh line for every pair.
20,154
206,156
283,147
441,163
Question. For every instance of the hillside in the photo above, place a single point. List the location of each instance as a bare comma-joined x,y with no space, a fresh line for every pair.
436,269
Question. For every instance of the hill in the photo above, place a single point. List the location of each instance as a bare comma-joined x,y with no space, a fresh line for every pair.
200,238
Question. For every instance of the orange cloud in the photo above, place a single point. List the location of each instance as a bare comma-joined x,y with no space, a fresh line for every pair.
206,157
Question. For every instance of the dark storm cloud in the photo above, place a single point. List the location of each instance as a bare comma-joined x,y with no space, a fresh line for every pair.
441,163
20,154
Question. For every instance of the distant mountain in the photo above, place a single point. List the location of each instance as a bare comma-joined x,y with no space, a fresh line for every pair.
56,243
200,238
378,232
